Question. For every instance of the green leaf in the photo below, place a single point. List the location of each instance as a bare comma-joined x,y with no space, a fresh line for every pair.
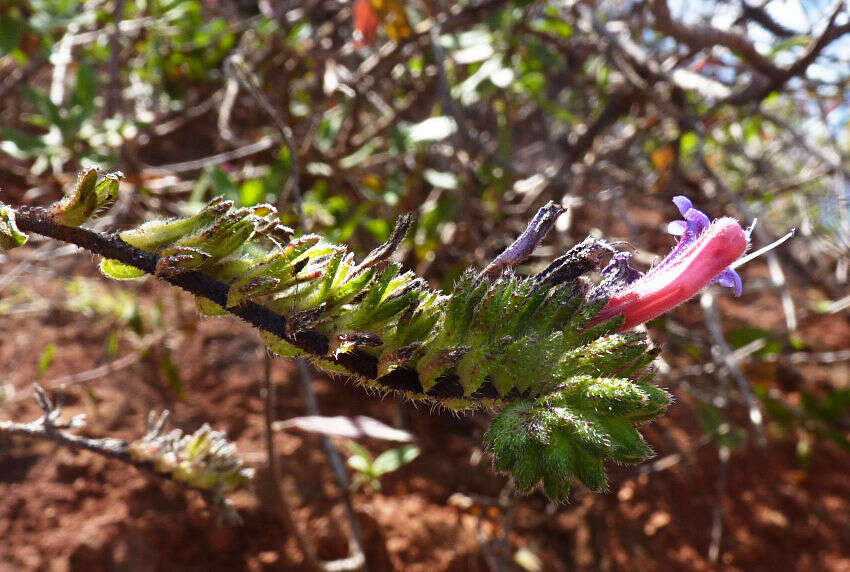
744,335
222,184
10,236
80,204
106,189
252,192
360,459
391,460
836,404
363,153
46,358
49,110
210,308
555,26
360,464
715,424
10,35
441,180
112,345
171,374
20,145
85,92
119,270
432,129
688,145
534,82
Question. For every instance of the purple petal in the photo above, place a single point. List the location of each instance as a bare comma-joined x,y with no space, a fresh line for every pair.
731,279
677,227
695,223
684,203
698,221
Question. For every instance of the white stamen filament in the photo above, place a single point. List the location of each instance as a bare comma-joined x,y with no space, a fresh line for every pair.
762,250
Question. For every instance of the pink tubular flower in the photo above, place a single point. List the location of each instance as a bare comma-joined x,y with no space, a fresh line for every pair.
703,255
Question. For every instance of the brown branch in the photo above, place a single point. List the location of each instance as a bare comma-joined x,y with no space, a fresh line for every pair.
759,15
237,67
771,77
637,66
50,427
829,35
113,95
700,37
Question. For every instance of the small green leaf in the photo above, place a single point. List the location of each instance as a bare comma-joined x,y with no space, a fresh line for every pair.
85,91
170,373
119,270
222,184
688,143
209,308
10,236
359,464
441,180
20,145
80,204
46,358
252,192
391,460
112,345
360,459
10,35
106,189
432,129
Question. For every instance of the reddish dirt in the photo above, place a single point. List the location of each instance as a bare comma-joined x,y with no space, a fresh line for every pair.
64,510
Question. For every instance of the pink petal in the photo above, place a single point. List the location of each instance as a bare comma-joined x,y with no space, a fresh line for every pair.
667,286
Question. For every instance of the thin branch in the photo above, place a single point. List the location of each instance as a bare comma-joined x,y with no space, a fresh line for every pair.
187,115
357,560
771,76
636,63
726,355
758,89
196,164
757,14
236,66
285,510
724,455
113,97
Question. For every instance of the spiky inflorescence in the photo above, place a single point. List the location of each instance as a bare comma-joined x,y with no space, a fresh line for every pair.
570,390
205,460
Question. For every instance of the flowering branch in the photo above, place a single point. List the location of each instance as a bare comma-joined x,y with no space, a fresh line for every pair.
570,382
